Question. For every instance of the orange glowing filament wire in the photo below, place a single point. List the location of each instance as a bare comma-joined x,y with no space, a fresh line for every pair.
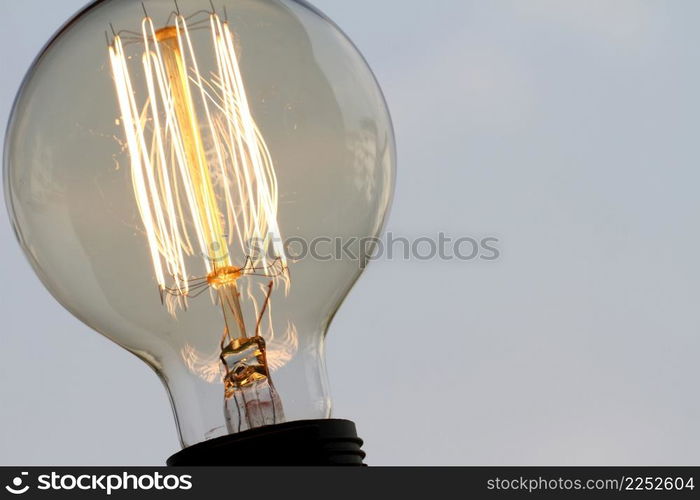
202,175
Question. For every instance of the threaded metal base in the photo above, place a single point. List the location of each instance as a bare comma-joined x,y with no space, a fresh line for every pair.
304,442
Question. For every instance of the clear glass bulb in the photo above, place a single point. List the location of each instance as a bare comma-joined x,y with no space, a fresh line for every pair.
168,166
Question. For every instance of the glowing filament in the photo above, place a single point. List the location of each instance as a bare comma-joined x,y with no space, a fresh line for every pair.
202,175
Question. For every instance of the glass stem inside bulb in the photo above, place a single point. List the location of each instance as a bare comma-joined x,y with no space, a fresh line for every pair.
250,398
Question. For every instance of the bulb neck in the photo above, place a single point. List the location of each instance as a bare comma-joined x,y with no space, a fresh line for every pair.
304,442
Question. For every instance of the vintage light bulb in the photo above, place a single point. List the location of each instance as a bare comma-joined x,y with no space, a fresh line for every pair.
168,184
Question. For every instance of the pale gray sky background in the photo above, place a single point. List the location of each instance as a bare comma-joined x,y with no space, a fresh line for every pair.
568,129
